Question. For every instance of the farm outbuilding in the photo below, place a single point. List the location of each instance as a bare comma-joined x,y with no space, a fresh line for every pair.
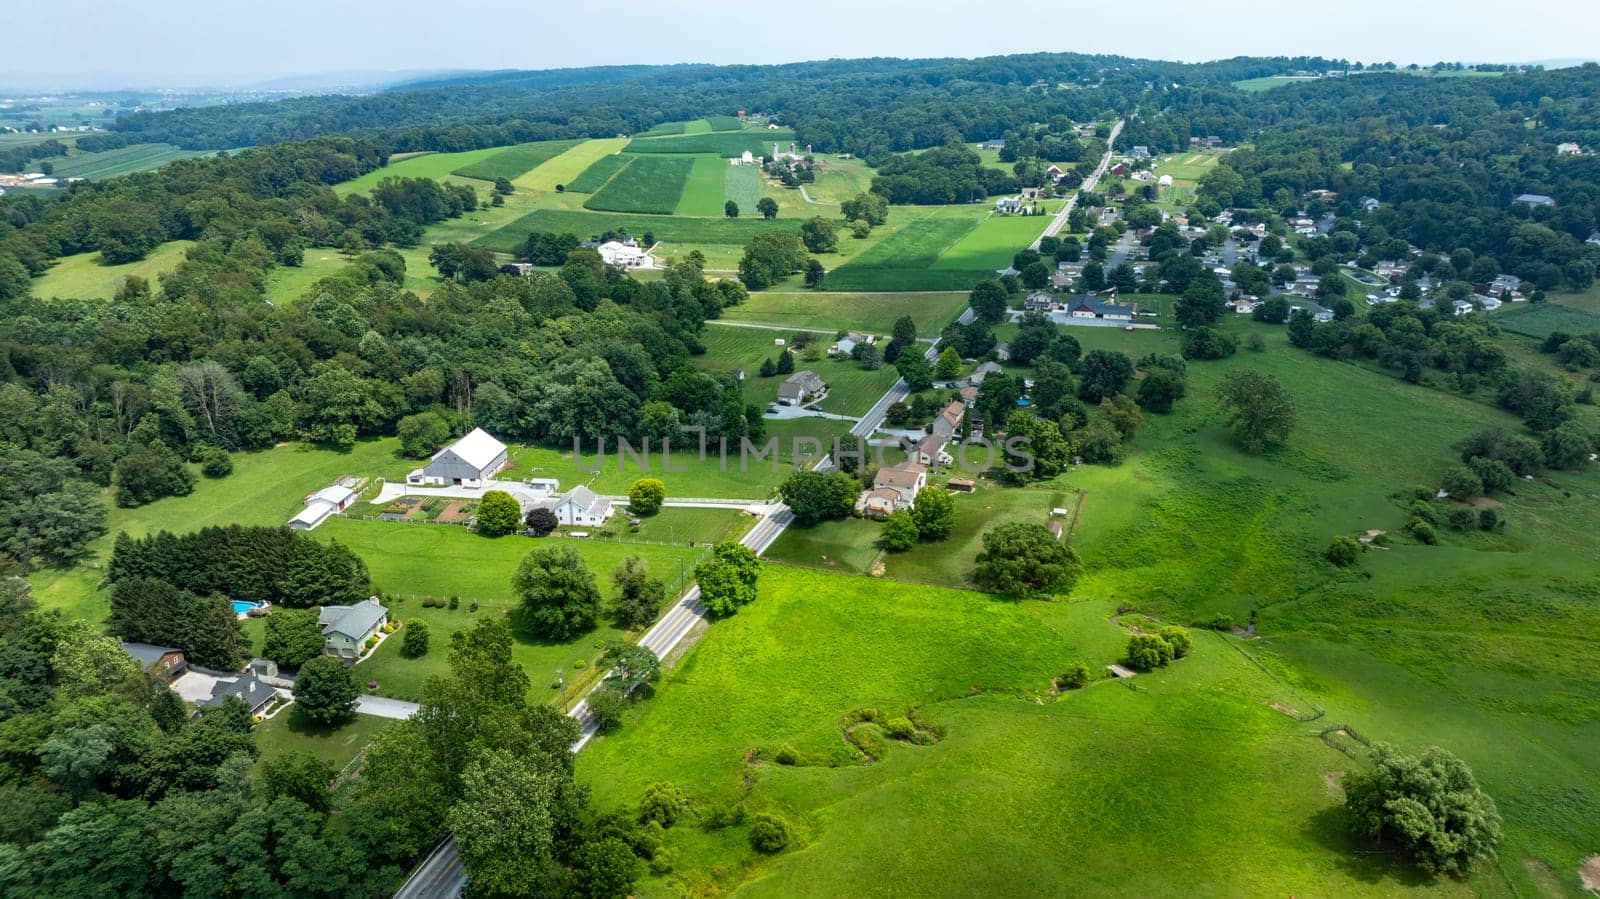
468,462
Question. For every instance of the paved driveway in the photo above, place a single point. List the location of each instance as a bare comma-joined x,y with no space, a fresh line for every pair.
381,707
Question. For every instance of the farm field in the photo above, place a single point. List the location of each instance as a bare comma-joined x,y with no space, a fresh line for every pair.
992,244
904,258
599,172
539,183
838,180
706,187
721,143
513,162
651,184
742,185
1015,767
830,312
416,165
420,560
122,161
851,389
82,277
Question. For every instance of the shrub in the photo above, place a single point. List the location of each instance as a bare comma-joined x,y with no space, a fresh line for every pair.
541,521
1076,677
646,496
786,755
455,603
1342,551
1425,512
1220,622
899,532
1462,483
498,514
663,803
1489,520
1462,518
605,706
214,461
1178,639
414,644
1147,652
1493,474
1423,531
900,728
770,833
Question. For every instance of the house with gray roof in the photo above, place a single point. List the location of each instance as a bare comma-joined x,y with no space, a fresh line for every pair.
800,388
580,507
247,688
346,629
1534,200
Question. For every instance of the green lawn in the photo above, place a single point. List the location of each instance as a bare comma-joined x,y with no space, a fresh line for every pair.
829,312
289,731
82,277
711,477
851,389
1107,769
652,184
513,162
412,561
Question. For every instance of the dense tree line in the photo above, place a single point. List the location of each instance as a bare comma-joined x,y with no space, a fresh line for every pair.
253,564
949,174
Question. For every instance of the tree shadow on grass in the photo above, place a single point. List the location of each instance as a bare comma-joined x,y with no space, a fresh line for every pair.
1359,858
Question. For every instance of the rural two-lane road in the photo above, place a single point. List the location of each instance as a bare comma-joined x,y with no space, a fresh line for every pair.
1060,221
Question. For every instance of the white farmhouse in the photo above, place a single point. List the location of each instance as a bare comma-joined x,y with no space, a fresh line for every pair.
580,507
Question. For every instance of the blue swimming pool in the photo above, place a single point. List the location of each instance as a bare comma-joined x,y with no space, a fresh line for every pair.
240,607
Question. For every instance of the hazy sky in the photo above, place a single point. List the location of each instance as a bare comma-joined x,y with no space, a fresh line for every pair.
144,42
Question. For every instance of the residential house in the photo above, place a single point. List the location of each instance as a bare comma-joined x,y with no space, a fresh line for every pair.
469,462
1534,200
626,254
1143,176
1007,272
1504,285
158,660
893,488
1002,351
247,688
518,269
1568,149
1461,307
1490,304
1594,239
1164,181
1243,305
1040,301
346,629
580,507
949,419
969,396
930,450
1322,316
1369,204
1140,151
322,505
1008,206
981,372
800,388
848,343
992,145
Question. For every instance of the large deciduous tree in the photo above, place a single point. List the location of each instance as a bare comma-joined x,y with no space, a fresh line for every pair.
1022,558
1428,805
815,496
1259,408
560,599
326,690
728,578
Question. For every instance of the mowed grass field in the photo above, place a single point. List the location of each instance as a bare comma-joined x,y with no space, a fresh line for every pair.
1543,319
830,312
121,161
650,184
851,389
416,165
513,162
82,277
1016,770
417,560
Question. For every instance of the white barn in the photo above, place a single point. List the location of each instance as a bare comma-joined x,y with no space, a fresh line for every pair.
468,462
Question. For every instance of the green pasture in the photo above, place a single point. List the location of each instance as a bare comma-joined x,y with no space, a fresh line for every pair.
992,244
83,277
851,389
1540,320
905,257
